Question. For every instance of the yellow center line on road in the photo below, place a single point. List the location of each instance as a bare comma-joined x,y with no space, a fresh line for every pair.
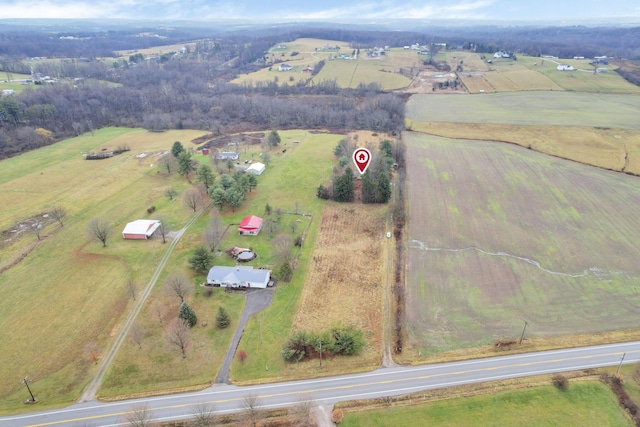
303,392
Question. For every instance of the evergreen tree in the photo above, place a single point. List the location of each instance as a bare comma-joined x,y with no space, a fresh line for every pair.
187,314
343,188
383,190
253,182
267,209
177,148
222,318
285,271
368,189
186,164
386,148
273,139
234,197
201,260
218,197
205,175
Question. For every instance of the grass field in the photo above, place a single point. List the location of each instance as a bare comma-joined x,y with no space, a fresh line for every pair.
615,149
529,108
583,404
344,285
69,291
347,73
499,234
534,73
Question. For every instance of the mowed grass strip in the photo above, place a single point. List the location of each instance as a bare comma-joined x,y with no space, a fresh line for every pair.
529,108
584,404
615,149
70,292
500,233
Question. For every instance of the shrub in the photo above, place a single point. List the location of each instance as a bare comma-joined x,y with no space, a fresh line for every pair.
242,356
337,416
151,209
560,381
347,341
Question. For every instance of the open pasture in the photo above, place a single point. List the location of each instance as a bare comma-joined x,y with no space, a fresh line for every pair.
529,108
156,50
614,149
69,291
537,406
500,234
346,72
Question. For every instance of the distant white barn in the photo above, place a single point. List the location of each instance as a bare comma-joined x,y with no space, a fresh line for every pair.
565,67
141,229
256,168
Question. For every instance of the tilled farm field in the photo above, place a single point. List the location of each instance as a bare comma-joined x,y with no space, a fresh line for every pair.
499,235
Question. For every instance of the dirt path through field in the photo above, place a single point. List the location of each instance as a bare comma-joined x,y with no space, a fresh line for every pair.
92,389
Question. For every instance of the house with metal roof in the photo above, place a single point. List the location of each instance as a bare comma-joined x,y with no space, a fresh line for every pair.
238,277
141,229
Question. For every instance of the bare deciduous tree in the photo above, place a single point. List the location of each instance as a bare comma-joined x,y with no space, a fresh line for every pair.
282,245
139,416
178,285
171,193
250,410
301,414
204,415
168,164
178,336
159,310
99,229
192,198
36,228
59,214
165,227
131,288
137,333
213,233
92,352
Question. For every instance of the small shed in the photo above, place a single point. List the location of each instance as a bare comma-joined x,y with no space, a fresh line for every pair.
205,151
250,225
141,229
256,168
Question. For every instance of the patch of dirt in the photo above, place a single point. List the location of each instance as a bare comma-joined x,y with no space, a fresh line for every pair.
428,79
19,231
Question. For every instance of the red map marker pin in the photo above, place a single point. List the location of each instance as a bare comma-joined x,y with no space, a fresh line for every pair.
361,158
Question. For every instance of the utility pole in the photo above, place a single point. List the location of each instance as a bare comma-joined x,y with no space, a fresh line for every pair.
321,352
523,329
25,381
620,364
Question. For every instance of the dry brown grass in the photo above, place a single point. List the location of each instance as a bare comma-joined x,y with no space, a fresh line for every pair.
411,356
615,149
344,284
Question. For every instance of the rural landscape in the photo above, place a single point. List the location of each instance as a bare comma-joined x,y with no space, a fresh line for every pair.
497,217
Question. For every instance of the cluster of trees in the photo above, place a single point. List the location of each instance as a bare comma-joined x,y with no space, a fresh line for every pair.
376,187
346,341
231,190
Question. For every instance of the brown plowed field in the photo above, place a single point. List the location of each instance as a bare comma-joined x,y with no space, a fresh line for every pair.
499,234
344,283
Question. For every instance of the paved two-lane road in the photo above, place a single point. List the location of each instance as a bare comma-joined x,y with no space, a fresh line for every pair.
379,383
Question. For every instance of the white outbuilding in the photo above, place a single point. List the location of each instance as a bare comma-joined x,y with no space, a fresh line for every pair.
140,229
256,168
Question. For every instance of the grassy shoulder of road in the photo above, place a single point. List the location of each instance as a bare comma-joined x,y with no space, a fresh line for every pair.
69,293
607,148
584,402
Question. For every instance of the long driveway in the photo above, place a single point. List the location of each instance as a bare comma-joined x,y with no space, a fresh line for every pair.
379,383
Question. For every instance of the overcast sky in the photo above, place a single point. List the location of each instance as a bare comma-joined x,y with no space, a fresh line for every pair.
503,10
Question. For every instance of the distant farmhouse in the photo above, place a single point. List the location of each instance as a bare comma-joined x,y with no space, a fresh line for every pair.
238,277
285,67
600,60
227,155
141,229
501,54
565,67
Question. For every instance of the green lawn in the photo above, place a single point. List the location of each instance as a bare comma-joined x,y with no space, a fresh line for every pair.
69,291
583,404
